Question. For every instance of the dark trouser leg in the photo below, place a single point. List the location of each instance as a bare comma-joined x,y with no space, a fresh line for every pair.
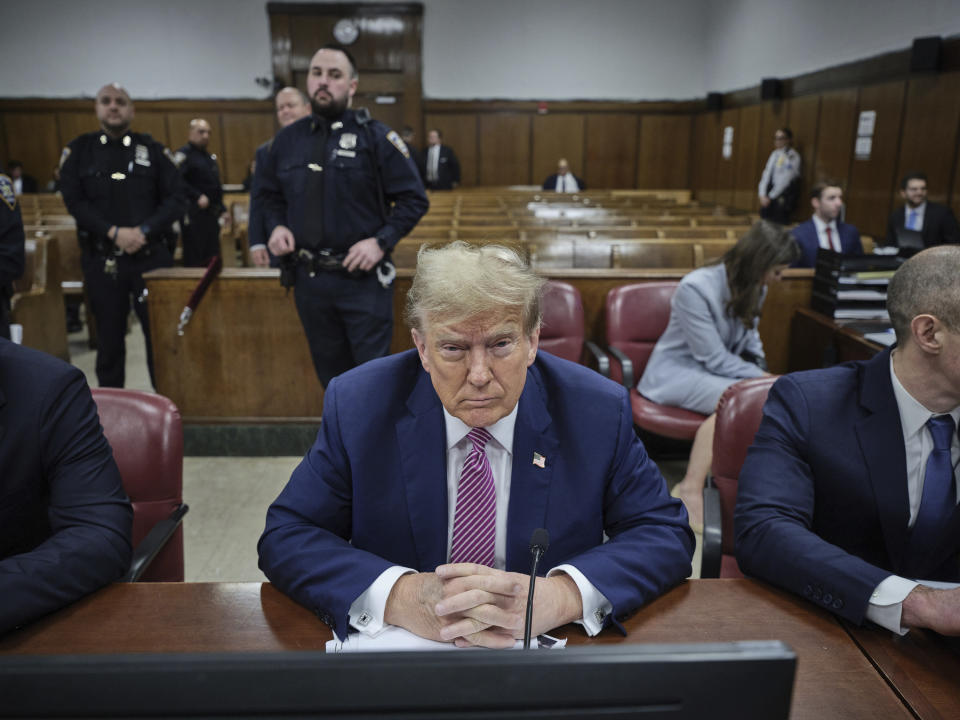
316,305
4,315
367,315
160,257
201,239
776,212
110,301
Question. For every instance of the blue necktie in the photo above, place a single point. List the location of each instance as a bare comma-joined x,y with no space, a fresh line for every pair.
912,220
939,487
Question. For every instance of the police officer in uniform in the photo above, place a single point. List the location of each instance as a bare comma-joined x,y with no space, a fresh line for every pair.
201,183
11,249
780,182
124,191
337,192
292,105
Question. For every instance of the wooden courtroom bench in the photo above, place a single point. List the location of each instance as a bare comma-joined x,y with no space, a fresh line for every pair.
244,358
37,301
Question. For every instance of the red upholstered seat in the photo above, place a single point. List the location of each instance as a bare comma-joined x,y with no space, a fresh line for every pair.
739,412
562,333
146,435
637,315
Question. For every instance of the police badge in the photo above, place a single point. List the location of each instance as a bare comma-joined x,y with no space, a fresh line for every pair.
141,155
348,141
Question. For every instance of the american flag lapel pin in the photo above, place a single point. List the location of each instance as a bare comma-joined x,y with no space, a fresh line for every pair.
539,460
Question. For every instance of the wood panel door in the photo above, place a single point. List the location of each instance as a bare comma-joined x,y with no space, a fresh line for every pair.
386,48
747,158
31,138
611,151
835,136
726,167
505,149
804,121
707,139
554,137
930,126
872,179
664,157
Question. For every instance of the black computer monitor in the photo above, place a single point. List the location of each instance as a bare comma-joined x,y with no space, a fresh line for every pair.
725,680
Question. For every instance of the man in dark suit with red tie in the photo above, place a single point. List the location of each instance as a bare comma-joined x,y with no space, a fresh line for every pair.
848,496
934,223
824,229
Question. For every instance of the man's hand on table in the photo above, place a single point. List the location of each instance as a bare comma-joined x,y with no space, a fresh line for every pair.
938,610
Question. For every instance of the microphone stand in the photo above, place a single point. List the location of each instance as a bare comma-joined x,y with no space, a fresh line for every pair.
539,542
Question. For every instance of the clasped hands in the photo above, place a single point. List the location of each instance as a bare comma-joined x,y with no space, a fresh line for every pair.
471,604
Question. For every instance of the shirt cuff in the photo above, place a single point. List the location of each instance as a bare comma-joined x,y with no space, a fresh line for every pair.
258,246
886,603
596,607
367,611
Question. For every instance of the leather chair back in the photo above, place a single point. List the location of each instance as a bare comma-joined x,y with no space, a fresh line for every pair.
146,434
563,332
739,412
637,315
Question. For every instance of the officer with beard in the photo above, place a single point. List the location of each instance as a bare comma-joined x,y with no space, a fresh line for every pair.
337,192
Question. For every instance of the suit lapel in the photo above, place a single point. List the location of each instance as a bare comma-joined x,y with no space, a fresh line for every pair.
530,483
881,441
421,435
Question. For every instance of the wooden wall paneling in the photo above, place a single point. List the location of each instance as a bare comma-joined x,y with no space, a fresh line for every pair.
804,116
837,129
773,116
707,139
73,123
726,167
459,132
663,160
746,151
155,123
32,139
611,150
929,138
243,133
557,136
505,149
868,195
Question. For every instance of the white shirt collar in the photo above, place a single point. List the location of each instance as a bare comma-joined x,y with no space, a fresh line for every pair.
821,226
913,414
502,429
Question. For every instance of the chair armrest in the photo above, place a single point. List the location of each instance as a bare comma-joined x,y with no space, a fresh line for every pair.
603,362
712,532
626,366
153,543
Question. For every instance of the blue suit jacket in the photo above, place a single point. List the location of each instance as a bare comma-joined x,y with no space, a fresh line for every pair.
822,506
372,492
64,518
806,236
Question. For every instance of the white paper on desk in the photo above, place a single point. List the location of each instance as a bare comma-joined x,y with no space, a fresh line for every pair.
396,639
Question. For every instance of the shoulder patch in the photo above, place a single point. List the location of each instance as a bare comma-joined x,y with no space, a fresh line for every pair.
64,155
398,143
6,192
176,158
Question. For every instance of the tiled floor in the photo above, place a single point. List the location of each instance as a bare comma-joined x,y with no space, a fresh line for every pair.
228,496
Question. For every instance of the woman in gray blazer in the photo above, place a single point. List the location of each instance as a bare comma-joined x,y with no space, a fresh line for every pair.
711,341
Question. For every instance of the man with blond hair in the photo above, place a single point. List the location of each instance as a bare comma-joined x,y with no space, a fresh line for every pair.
848,495
433,467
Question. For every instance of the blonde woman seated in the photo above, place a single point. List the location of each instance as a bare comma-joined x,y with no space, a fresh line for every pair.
712,342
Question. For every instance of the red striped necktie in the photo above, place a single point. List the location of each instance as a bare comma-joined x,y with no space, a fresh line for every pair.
475,517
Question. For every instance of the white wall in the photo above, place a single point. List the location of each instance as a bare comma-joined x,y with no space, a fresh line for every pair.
509,49
753,39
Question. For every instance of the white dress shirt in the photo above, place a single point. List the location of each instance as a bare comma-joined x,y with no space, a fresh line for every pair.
433,163
886,602
567,183
833,243
367,611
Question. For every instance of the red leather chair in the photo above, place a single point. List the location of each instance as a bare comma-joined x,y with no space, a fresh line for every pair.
738,417
562,332
637,315
146,435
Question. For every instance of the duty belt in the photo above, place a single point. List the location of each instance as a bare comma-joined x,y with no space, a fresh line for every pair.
321,260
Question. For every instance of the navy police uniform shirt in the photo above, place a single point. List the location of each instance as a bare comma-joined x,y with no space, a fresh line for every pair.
201,176
129,181
352,157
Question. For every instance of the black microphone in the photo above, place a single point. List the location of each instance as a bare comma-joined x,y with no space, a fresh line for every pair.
539,542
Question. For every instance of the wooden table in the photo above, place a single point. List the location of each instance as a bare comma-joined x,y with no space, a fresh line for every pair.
834,678
818,341
919,666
